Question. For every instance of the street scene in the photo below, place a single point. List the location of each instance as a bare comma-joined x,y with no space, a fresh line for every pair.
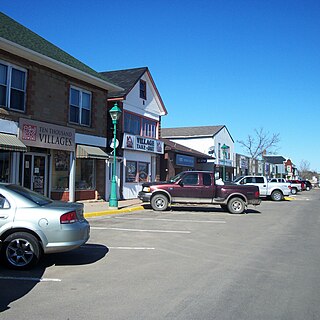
185,263
159,160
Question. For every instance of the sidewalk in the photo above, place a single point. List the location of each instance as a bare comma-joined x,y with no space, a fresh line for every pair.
100,208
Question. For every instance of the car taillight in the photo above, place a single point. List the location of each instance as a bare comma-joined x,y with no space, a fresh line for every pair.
257,194
69,217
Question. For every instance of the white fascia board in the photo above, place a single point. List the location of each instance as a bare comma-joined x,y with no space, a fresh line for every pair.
90,140
41,59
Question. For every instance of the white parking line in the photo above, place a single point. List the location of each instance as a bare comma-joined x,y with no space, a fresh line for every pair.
31,279
140,230
174,220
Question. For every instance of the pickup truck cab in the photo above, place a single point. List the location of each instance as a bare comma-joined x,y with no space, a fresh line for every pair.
277,191
198,187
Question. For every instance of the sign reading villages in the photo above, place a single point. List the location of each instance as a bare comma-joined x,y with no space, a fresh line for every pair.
138,143
45,135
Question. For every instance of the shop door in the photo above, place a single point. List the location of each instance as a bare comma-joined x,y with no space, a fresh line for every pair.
35,169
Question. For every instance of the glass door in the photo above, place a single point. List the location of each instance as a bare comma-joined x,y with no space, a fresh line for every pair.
35,172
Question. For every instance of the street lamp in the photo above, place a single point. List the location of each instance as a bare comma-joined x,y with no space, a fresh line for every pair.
115,113
224,152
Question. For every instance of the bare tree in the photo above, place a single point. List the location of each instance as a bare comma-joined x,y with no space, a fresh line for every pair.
259,144
304,170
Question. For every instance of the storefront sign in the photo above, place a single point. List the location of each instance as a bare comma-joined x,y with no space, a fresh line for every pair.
185,161
138,143
46,135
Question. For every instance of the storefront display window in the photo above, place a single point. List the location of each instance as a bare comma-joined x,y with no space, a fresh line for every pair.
60,170
4,166
85,174
137,171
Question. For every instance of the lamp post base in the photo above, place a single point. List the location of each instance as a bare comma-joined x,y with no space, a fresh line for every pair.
113,200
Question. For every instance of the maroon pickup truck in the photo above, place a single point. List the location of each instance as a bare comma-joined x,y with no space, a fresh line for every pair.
199,187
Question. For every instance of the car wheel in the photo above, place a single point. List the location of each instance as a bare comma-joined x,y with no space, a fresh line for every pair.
294,190
159,202
308,188
236,205
20,251
276,195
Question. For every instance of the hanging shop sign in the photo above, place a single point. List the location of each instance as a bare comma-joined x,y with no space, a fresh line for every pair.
45,135
185,161
138,143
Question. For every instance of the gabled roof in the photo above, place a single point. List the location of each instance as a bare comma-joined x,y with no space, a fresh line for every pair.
127,79
19,40
171,145
274,159
192,132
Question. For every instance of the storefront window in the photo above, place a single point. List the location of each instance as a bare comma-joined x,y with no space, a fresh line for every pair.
60,170
137,171
4,166
85,174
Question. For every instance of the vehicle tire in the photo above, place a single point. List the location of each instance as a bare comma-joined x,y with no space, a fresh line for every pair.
277,195
224,207
236,205
308,188
20,251
159,202
294,191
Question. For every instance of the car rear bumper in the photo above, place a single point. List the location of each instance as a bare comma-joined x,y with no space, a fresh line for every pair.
254,202
71,237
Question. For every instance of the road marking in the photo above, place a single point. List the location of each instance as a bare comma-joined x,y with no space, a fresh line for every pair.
31,279
174,220
140,230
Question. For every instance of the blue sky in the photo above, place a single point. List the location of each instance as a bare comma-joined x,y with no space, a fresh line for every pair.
246,64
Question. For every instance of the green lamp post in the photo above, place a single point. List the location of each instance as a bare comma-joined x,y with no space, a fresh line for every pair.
224,152
115,113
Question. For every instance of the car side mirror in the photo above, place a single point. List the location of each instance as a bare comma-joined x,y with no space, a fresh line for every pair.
180,183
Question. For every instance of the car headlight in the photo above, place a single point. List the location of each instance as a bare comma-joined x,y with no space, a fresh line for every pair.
146,189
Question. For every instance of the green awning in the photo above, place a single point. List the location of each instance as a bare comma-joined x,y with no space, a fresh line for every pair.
90,152
11,143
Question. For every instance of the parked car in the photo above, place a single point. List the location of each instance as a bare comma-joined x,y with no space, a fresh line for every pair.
308,184
198,187
277,191
32,224
299,182
295,186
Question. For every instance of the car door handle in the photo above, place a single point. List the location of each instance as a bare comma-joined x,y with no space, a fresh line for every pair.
4,216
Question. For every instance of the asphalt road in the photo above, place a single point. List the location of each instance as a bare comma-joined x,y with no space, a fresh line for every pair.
188,263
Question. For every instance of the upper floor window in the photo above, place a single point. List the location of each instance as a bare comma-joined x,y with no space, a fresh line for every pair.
80,106
139,126
12,87
143,89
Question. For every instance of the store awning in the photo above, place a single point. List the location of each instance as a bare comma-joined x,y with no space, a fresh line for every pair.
11,143
90,152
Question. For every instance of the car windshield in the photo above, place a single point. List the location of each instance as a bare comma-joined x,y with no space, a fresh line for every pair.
177,177
236,180
35,197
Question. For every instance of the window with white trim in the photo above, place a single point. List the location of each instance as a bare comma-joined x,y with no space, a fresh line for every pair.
12,87
80,106
139,126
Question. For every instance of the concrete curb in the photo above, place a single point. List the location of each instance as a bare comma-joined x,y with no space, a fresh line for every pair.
112,211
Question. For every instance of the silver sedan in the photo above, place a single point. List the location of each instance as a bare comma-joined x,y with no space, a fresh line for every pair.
32,225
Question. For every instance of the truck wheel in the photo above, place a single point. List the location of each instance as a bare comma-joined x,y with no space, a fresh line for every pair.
236,205
294,190
20,251
159,202
276,195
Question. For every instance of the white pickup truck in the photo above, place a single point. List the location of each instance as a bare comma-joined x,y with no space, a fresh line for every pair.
294,186
277,191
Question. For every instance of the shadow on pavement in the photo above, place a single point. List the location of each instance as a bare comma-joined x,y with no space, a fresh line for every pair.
16,284
201,208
